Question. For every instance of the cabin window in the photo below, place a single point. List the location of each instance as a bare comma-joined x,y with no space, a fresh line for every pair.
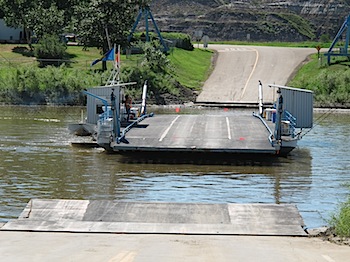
99,109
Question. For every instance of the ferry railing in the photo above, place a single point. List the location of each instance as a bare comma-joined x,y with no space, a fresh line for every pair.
106,115
129,127
271,136
287,116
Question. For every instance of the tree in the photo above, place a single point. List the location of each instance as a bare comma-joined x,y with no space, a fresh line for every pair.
92,20
38,16
98,18
16,14
157,70
50,22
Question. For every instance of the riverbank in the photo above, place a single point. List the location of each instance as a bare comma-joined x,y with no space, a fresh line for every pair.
23,82
191,69
329,234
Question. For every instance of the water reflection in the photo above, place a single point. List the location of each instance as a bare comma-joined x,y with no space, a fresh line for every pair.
38,161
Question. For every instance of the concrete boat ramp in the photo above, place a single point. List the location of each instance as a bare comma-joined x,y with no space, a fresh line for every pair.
81,230
104,216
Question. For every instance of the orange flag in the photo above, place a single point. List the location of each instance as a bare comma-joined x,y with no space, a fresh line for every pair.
117,58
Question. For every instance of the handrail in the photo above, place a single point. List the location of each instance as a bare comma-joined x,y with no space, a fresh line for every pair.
128,128
270,138
288,116
292,120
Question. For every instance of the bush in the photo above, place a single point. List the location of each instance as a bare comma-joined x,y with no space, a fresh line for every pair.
341,221
21,86
179,40
158,84
184,44
330,85
50,51
154,59
156,69
30,85
325,38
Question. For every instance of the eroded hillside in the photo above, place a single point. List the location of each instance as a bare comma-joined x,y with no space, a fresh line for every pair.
261,20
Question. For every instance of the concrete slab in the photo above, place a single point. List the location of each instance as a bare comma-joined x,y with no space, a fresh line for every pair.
145,212
158,218
259,229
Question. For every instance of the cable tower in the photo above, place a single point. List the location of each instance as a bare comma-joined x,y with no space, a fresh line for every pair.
146,14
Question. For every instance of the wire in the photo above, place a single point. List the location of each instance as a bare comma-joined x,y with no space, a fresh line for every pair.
318,121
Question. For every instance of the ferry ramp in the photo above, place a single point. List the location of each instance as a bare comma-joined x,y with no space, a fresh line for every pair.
228,133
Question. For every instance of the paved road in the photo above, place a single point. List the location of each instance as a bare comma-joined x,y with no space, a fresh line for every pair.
27,246
239,68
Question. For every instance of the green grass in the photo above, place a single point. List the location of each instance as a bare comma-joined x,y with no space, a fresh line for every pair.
19,54
7,52
341,221
315,66
330,83
83,58
191,67
309,70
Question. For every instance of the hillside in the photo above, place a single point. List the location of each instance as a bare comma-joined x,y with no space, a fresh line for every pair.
256,20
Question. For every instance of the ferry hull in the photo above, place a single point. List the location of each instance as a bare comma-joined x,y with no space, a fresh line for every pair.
81,129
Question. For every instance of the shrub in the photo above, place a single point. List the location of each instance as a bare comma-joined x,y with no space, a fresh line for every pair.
50,51
341,221
330,85
179,40
154,59
58,85
158,83
325,38
22,86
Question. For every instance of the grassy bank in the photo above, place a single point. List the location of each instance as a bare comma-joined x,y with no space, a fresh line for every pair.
22,80
330,83
341,221
191,67
13,55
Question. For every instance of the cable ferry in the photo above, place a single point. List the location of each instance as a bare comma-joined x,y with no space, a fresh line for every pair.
271,131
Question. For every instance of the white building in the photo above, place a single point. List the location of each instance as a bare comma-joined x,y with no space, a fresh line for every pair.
9,34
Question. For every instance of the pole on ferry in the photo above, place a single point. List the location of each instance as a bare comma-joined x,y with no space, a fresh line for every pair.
144,96
260,98
278,125
115,112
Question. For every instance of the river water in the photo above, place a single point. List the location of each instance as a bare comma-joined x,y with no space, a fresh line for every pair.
37,160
